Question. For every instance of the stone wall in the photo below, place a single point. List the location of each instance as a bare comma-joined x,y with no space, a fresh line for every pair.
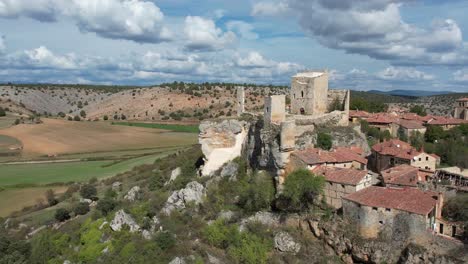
343,96
275,109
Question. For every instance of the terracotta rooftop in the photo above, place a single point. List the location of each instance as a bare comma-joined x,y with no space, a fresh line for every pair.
314,156
415,117
382,118
404,175
396,148
441,120
404,199
341,175
411,124
463,99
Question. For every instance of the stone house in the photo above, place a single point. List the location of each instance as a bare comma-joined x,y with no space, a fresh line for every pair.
391,211
384,122
395,152
461,109
341,182
340,158
408,127
355,116
405,175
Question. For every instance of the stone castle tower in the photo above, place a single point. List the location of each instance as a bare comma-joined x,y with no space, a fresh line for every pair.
309,93
461,109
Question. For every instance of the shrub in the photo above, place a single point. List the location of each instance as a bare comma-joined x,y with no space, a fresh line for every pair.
83,113
324,141
50,196
259,194
419,110
2,112
76,118
105,118
106,205
301,188
165,240
62,215
81,209
61,114
88,191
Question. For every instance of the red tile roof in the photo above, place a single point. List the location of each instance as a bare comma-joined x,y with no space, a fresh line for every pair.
382,118
314,156
341,175
404,199
441,120
415,117
404,175
396,148
463,99
411,124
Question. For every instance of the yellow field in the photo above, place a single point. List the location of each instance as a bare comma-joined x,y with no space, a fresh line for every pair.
56,137
12,200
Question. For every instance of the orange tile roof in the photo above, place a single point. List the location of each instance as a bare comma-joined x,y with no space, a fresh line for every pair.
341,175
404,175
404,199
357,113
415,117
441,120
463,99
382,118
411,124
396,148
314,156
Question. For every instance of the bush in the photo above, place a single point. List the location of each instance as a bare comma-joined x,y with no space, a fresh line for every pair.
76,118
259,195
2,112
419,110
83,113
301,187
165,240
81,209
50,196
88,191
105,118
62,215
324,141
106,205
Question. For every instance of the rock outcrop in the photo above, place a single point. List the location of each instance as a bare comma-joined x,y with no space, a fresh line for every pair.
221,142
121,219
284,242
194,192
174,174
133,194
230,170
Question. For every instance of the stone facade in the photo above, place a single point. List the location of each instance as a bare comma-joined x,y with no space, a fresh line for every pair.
334,191
461,109
240,100
309,93
275,109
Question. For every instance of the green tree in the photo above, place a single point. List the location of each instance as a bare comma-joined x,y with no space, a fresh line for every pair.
88,191
335,105
76,118
165,240
402,135
419,110
260,193
417,140
81,209
324,141
83,113
434,133
105,118
62,214
301,187
2,112
106,205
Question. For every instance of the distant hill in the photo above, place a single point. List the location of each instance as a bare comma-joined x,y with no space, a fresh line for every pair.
410,93
380,97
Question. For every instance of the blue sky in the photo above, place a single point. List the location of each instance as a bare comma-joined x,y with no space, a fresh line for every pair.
365,45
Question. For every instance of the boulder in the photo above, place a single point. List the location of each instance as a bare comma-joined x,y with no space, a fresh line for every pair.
265,218
177,260
116,186
133,194
174,174
120,219
284,242
230,170
194,192
146,234
226,215
84,200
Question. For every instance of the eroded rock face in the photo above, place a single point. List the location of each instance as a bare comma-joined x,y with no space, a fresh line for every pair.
174,174
116,186
120,219
194,192
284,242
221,142
230,170
133,194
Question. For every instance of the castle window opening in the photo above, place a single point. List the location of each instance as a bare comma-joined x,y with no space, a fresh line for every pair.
374,208
302,111
302,93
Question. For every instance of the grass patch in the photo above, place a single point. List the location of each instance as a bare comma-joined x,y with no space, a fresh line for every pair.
171,127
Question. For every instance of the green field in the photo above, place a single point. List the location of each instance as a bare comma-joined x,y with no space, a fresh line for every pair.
40,174
171,127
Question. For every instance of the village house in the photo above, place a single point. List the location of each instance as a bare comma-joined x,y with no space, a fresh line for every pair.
416,117
406,211
355,115
340,158
404,175
384,122
446,122
395,152
409,127
341,182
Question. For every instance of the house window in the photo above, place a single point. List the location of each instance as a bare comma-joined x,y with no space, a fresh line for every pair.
419,159
268,110
381,222
294,95
388,209
331,183
427,158
342,186
374,208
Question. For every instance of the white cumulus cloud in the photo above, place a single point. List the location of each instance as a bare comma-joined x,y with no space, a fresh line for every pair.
243,29
203,35
404,73
136,20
